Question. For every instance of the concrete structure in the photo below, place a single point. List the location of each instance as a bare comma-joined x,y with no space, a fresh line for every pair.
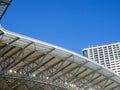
106,55
30,64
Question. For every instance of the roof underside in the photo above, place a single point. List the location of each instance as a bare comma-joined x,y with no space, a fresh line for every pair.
23,58
3,7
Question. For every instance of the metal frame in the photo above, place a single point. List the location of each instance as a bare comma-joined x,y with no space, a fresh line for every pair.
4,4
36,63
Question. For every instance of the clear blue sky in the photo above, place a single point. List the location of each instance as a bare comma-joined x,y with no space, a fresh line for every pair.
71,24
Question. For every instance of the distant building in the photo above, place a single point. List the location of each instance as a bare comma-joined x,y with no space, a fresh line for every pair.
106,55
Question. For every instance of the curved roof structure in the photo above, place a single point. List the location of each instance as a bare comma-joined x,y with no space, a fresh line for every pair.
36,65
3,7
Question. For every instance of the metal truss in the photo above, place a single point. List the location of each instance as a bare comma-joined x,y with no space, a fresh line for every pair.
3,7
35,65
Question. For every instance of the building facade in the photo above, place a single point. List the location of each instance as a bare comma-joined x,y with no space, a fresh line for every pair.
106,55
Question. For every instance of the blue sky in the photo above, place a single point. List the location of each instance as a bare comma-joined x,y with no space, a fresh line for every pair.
71,24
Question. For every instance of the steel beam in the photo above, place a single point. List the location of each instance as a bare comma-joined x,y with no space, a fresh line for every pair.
49,67
12,64
5,4
3,46
79,65
1,33
91,78
17,79
15,62
113,88
27,65
108,85
8,58
5,52
41,64
77,73
5,1
63,74
5,49
61,66
104,79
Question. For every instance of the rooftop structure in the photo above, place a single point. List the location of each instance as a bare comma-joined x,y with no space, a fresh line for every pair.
4,4
30,64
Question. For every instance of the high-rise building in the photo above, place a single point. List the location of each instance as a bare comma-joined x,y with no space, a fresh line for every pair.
106,55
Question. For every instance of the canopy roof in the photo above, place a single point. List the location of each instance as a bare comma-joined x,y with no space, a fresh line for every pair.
24,58
3,6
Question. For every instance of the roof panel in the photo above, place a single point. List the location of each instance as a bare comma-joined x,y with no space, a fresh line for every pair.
3,6
58,66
